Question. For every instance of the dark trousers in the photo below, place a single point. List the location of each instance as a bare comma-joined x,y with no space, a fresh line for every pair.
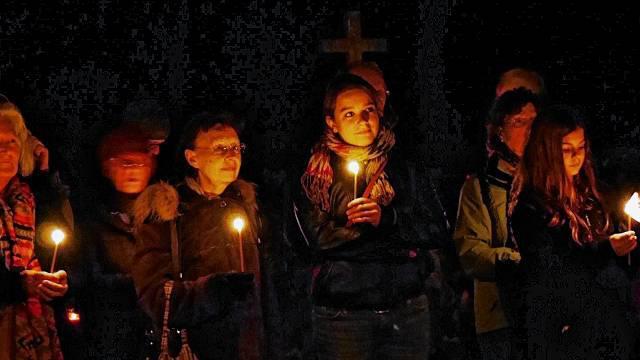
496,345
399,333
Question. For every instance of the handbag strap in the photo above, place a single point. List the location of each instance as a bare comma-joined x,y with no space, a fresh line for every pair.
176,264
164,343
176,259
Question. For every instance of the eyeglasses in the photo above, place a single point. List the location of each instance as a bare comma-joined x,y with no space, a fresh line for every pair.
222,150
127,164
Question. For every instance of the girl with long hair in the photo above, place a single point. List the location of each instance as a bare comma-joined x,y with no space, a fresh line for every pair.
371,247
567,304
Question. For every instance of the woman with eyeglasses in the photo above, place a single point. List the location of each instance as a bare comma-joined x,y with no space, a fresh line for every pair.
113,323
217,282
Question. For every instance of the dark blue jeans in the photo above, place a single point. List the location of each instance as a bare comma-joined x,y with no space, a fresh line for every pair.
399,333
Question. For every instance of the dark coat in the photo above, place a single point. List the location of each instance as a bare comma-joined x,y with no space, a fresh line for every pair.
565,301
364,267
218,306
114,323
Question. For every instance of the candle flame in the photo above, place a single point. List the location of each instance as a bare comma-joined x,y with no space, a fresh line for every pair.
73,316
238,224
57,236
632,207
354,167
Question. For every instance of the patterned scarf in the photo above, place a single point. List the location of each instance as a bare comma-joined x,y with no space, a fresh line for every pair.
35,335
319,175
17,229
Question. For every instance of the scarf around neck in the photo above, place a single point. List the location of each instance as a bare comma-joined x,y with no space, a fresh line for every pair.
318,176
17,228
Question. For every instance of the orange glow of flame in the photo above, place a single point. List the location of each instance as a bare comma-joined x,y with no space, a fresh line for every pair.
73,316
632,207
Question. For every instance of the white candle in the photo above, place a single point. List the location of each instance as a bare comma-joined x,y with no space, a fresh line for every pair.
238,224
57,236
354,168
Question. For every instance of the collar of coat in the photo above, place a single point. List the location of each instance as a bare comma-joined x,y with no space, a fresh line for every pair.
497,176
160,202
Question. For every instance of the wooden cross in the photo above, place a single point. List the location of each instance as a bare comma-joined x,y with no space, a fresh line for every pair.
354,45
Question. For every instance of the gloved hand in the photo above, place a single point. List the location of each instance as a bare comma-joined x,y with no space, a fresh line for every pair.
233,286
240,284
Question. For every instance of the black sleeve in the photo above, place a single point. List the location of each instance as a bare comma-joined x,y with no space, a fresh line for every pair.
192,302
327,229
527,289
417,217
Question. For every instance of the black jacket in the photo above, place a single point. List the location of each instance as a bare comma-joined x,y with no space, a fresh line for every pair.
114,323
564,300
362,266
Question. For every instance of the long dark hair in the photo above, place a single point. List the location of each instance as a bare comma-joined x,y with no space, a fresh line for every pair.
542,170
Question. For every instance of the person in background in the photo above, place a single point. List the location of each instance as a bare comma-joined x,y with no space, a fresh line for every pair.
27,323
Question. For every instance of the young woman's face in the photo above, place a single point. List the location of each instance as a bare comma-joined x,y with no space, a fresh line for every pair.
573,151
355,118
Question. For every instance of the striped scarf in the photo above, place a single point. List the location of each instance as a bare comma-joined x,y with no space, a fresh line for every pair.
318,176
34,333
17,229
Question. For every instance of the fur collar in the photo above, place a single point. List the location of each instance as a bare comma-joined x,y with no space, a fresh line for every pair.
160,202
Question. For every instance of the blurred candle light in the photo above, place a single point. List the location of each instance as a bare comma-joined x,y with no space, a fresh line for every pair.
632,209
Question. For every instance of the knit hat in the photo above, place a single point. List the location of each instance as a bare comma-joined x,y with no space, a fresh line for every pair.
126,139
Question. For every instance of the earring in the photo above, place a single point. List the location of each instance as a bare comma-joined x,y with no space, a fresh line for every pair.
335,131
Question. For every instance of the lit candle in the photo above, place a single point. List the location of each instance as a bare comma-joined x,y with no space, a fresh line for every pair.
238,224
354,167
57,236
632,209
73,316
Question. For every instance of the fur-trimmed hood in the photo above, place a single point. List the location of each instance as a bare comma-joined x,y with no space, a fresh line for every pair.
161,202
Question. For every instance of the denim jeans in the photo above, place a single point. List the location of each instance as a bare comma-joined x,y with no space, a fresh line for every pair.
399,333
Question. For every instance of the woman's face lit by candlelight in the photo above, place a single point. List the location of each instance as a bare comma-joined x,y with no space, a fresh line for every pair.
9,150
355,117
573,151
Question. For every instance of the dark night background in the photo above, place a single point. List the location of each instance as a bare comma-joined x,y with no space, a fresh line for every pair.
72,67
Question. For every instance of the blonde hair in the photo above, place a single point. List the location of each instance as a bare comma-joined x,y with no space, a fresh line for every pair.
10,113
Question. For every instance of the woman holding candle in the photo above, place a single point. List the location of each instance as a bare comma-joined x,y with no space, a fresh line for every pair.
25,317
217,302
372,251
566,298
